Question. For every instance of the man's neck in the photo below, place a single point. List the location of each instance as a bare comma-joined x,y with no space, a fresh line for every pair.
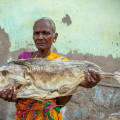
43,53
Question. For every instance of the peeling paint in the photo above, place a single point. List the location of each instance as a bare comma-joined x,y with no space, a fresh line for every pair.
4,46
67,20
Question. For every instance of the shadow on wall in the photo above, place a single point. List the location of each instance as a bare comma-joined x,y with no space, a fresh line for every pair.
4,47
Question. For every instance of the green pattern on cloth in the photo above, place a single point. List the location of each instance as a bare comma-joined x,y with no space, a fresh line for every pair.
21,118
48,111
50,117
57,109
40,102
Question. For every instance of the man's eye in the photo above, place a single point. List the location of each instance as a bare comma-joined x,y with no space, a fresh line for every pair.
36,33
46,33
4,73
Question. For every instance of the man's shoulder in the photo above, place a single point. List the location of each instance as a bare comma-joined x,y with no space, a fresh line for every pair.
57,56
24,55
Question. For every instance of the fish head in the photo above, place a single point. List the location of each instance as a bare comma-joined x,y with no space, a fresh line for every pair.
10,75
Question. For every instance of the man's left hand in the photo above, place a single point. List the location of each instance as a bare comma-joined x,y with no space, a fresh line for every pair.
92,78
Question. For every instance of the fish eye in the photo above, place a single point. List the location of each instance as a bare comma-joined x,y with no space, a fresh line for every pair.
4,73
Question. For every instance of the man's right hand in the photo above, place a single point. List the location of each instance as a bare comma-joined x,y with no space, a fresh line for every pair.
9,94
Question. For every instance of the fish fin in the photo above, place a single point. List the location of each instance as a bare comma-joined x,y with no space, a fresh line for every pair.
29,61
90,65
25,61
22,62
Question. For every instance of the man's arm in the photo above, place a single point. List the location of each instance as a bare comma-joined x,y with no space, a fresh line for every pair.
62,101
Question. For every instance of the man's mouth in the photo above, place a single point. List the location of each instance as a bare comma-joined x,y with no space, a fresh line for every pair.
41,44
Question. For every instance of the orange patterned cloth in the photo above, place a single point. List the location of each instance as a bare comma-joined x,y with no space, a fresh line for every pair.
29,109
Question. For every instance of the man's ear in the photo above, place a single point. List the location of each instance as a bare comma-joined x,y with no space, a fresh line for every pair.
55,37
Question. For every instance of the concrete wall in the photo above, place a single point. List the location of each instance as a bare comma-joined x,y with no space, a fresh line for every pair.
88,30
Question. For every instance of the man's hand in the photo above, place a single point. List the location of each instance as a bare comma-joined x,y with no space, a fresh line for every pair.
92,78
10,94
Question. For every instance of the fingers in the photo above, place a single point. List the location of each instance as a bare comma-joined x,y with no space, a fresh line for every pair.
90,82
14,94
1,93
95,75
87,82
9,94
5,94
92,78
88,77
98,76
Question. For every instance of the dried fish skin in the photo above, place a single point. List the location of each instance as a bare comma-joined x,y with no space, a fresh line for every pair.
47,78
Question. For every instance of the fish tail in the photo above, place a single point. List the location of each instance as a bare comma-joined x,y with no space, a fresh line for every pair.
117,77
114,76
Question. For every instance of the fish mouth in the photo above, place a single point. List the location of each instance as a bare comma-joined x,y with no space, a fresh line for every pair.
21,86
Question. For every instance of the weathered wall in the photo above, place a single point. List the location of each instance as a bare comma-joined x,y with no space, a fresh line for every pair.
88,30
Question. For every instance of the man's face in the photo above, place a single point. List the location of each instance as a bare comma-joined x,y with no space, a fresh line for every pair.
43,35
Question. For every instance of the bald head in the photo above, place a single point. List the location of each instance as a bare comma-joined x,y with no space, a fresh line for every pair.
52,24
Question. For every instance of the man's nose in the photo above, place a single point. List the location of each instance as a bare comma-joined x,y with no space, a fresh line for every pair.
40,36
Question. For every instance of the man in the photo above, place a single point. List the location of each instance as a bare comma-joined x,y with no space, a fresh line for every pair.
44,35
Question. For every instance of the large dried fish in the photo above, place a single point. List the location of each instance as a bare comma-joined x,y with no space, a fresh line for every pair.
47,79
